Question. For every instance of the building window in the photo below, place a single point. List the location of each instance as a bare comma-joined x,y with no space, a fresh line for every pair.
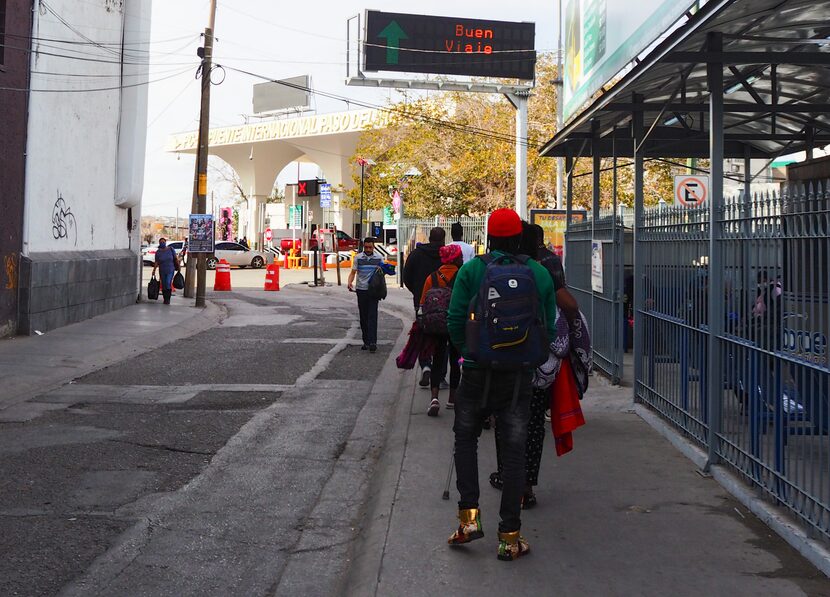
2,30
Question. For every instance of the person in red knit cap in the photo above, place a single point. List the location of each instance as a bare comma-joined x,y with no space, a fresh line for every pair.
502,311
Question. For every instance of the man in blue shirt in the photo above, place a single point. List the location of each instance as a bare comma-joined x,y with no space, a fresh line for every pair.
364,266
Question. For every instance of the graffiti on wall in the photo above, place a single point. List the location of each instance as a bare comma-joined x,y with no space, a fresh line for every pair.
11,271
63,221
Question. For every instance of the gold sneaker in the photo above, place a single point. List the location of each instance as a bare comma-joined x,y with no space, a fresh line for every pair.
512,546
469,529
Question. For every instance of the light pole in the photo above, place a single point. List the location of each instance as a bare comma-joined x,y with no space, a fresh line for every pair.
363,163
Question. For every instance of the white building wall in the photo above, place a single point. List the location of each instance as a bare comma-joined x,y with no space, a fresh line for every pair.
73,191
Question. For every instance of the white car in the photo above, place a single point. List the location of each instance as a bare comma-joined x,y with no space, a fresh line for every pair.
148,254
236,254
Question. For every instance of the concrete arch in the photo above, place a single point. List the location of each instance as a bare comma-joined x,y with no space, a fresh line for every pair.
259,152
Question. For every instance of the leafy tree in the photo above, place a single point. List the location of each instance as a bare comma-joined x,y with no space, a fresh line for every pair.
454,154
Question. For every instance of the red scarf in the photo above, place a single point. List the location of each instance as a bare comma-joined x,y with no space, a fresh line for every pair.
565,412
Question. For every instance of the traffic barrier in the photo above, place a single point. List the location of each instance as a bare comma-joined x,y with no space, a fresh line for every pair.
272,276
223,276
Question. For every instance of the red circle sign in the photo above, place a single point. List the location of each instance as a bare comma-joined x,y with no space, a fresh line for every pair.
691,191
268,234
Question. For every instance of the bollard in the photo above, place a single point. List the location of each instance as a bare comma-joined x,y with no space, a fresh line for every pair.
272,277
223,276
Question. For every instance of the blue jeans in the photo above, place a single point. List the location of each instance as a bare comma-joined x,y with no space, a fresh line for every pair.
368,309
471,407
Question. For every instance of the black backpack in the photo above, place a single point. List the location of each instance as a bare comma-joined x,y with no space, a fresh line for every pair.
505,328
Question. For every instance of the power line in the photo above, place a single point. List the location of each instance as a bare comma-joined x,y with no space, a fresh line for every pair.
114,88
487,133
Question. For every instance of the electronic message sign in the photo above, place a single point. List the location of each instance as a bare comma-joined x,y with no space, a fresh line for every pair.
449,46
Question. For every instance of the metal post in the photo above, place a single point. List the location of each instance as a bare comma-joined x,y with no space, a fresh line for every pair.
199,204
619,267
569,190
714,76
595,197
360,223
639,266
746,228
560,107
520,103
521,157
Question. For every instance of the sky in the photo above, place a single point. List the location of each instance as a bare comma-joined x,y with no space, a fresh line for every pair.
277,39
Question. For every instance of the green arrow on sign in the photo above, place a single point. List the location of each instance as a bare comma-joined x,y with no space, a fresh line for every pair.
393,35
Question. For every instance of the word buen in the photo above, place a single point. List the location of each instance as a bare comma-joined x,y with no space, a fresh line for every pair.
466,41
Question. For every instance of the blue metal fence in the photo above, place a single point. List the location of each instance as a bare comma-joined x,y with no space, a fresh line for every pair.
773,423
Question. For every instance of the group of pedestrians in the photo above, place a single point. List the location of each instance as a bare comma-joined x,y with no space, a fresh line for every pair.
489,319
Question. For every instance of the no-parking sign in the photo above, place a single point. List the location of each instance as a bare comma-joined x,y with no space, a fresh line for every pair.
691,191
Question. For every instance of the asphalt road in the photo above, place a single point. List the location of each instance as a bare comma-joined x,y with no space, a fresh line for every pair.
227,463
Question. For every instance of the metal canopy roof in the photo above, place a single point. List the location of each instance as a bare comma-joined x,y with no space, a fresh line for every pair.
776,56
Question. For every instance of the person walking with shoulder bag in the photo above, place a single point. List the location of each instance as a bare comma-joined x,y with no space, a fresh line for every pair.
365,266
168,265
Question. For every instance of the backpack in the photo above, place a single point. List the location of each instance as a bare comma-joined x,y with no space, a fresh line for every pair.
433,315
505,330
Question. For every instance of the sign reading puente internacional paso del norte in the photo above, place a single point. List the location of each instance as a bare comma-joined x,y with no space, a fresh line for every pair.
449,46
324,124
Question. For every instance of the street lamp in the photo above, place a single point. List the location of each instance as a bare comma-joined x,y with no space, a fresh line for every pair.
363,163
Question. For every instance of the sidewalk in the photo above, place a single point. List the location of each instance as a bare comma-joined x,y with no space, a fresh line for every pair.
34,365
624,514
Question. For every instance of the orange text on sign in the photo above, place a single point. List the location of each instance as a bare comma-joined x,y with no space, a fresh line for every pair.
468,40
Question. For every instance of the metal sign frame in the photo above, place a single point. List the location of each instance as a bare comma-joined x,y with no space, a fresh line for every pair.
517,95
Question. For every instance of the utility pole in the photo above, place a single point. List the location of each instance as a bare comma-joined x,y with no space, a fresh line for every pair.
199,204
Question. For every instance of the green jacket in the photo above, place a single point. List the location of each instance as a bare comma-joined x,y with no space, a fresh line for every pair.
467,283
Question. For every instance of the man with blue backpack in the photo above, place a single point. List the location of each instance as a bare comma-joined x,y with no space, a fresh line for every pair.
502,312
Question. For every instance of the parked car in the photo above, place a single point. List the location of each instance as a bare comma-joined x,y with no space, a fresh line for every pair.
344,242
236,254
148,253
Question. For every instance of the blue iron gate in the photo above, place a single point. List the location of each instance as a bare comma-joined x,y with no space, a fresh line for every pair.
773,420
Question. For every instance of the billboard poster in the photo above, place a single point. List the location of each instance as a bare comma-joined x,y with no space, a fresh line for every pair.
226,223
554,222
602,37
200,233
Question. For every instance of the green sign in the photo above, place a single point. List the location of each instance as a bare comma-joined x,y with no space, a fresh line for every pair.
295,217
603,36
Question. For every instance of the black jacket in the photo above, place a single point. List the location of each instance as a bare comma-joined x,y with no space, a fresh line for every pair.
419,265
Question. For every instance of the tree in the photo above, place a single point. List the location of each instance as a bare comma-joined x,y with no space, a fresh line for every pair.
454,154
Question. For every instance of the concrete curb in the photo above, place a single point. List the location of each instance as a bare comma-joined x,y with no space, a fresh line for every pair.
815,552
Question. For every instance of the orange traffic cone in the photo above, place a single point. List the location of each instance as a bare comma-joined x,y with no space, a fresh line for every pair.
223,276
272,276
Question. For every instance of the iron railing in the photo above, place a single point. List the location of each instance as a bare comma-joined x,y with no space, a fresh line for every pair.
773,420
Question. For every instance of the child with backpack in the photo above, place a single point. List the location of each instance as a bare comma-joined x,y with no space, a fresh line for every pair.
502,311
435,302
